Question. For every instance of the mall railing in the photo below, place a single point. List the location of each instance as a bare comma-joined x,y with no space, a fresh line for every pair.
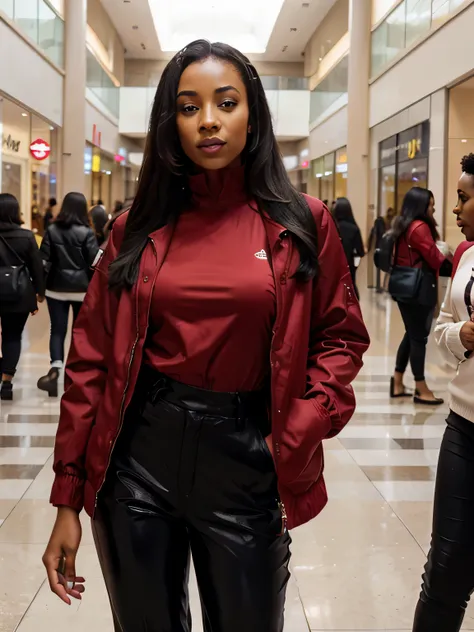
284,83
101,85
408,22
329,90
39,22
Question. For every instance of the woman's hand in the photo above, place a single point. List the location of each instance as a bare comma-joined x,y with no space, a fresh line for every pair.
39,298
59,558
467,335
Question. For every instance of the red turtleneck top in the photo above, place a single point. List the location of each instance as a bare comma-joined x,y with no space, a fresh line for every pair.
213,303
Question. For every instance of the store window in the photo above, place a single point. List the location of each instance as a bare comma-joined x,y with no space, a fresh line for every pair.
340,178
28,161
98,169
403,164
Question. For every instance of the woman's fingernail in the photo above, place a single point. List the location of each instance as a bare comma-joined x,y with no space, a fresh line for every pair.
70,585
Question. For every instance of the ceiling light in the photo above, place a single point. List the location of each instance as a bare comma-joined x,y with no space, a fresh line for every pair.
464,140
51,128
24,114
246,24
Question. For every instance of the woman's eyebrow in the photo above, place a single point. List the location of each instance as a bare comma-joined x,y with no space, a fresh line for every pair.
193,93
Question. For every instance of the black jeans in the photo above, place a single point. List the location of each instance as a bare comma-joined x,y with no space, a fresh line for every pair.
59,316
12,331
448,580
191,473
417,320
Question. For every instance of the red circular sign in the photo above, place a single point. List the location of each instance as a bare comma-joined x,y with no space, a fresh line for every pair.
40,149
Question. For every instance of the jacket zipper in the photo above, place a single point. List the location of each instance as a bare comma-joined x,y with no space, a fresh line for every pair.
122,404
284,518
283,279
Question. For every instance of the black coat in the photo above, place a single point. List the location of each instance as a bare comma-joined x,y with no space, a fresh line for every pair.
23,242
68,254
351,242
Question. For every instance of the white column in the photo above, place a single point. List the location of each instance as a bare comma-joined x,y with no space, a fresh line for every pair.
74,130
358,110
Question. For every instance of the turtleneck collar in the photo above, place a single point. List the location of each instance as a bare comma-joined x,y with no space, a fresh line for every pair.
227,188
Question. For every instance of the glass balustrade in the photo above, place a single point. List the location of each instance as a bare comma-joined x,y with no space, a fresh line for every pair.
40,23
407,23
329,90
102,86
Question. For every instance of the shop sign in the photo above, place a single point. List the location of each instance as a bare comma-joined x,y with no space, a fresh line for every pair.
40,149
96,163
9,143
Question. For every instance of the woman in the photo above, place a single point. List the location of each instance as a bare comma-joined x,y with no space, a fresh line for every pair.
68,250
17,248
448,581
415,237
214,353
49,214
350,235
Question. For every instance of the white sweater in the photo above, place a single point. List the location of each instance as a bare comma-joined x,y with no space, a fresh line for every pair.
452,317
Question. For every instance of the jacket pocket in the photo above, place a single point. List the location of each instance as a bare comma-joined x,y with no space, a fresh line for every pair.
301,461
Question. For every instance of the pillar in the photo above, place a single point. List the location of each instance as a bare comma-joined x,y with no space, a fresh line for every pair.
358,110
74,119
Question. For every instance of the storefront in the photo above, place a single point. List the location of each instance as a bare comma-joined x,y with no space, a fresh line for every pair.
329,176
403,164
28,160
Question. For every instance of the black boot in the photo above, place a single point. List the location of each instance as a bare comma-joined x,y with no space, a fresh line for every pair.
6,392
49,383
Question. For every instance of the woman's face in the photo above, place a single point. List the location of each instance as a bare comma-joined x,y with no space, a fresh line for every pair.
464,209
212,114
431,208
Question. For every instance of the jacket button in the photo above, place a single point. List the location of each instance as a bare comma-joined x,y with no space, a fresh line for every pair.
145,279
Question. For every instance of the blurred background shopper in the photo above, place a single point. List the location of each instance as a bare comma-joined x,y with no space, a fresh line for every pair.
21,282
183,346
350,235
68,250
413,284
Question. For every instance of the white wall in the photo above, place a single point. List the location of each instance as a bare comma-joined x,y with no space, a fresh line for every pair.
109,132
329,135
289,108
438,62
28,78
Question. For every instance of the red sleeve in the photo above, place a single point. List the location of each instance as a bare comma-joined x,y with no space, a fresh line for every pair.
85,379
338,336
421,240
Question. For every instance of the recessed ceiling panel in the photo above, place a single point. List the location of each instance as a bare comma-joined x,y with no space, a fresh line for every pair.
245,24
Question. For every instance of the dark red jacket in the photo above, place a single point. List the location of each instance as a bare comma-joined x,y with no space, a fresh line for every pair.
318,341
416,246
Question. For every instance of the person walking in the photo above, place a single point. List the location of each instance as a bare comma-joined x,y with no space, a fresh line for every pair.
214,353
350,235
448,581
21,287
68,250
99,220
49,214
417,261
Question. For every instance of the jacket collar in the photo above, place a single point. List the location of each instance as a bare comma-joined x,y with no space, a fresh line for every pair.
226,187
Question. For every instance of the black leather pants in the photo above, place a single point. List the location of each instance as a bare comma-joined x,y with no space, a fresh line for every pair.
449,573
191,473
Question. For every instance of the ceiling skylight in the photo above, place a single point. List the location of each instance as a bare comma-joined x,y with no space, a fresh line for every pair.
245,24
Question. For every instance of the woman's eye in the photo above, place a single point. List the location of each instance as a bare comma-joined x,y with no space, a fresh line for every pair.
228,104
187,109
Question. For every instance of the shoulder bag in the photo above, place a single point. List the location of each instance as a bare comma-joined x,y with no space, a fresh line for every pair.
413,285
15,281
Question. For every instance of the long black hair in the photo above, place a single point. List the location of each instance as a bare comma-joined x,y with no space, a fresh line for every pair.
163,188
73,211
415,206
9,209
342,211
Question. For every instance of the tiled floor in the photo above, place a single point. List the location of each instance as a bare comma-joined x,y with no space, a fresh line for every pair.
356,567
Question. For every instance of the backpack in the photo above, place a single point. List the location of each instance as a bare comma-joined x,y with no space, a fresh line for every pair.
383,255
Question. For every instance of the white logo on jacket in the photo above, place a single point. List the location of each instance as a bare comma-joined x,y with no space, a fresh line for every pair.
261,255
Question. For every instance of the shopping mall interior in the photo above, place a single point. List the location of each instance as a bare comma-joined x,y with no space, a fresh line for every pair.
368,99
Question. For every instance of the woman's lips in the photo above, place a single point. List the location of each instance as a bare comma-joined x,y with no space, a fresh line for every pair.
211,149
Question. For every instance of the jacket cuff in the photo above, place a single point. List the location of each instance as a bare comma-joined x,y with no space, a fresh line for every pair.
68,491
453,340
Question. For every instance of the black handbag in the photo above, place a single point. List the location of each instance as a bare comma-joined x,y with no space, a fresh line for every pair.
413,285
15,281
